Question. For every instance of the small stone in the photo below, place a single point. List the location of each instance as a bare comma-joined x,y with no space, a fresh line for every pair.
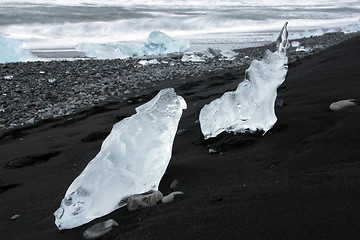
32,121
211,150
169,198
342,104
144,200
181,132
100,229
8,77
16,216
174,184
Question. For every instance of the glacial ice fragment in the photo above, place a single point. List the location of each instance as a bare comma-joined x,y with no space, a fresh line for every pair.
160,43
132,160
157,43
251,106
12,50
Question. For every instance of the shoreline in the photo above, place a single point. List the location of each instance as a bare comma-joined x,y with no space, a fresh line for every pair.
37,91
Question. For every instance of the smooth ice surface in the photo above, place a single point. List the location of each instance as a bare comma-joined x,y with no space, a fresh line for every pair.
251,106
12,50
157,43
132,160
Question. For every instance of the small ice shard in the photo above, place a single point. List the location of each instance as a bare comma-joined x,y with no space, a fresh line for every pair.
144,200
100,229
228,55
192,57
251,106
132,160
295,44
13,50
148,62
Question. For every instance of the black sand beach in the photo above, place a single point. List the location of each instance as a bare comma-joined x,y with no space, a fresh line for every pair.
299,181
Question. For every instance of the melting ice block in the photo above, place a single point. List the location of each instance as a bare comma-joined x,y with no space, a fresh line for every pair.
251,106
12,50
160,43
157,43
132,160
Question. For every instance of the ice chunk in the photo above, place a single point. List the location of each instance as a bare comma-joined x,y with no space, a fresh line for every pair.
157,43
148,62
132,160
228,55
160,43
295,44
192,57
251,106
13,50
110,51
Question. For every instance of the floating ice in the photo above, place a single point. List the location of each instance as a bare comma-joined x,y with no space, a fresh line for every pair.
132,160
13,50
251,106
157,43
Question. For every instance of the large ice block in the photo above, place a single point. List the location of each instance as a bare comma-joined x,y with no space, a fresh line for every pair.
132,160
12,50
157,43
251,106
160,43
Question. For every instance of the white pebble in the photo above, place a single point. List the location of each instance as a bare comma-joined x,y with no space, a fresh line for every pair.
169,198
16,216
342,104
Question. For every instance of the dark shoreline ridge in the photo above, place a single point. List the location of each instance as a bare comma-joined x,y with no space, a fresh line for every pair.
299,181
34,91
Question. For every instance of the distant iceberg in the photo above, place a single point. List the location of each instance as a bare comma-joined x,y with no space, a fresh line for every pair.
157,43
13,50
251,107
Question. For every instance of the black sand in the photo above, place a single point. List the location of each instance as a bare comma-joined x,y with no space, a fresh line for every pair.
299,181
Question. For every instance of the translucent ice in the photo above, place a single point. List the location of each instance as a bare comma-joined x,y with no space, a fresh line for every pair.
12,50
157,43
132,160
160,43
251,106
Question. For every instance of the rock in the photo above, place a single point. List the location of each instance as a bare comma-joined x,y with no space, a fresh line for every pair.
144,200
174,184
100,229
16,216
169,198
342,104
181,132
32,121
211,151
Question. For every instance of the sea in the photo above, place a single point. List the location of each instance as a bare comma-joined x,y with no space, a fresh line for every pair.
62,24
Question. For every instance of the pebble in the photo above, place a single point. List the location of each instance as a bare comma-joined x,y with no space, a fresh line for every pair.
16,216
170,198
211,151
342,104
100,229
145,200
174,184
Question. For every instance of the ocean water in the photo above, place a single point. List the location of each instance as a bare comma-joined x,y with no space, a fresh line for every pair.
65,23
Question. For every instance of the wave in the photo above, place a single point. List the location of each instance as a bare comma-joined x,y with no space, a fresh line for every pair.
65,23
